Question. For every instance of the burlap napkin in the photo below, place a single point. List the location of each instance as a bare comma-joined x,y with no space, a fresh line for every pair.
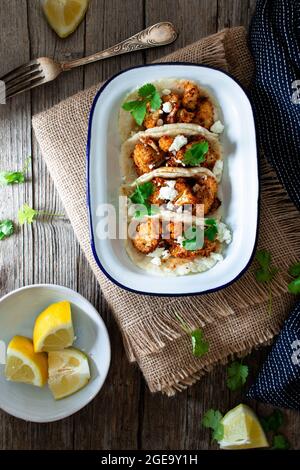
235,319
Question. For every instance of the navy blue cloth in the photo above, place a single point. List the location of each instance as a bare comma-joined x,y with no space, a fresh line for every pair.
275,46
278,382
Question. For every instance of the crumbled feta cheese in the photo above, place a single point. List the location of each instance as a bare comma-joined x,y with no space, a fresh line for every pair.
179,240
168,192
217,127
224,234
218,170
166,91
166,254
179,210
160,122
151,166
156,261
170,206
156,253
178,142
167,107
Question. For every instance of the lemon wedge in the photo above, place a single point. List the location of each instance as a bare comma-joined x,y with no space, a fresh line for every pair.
24,365
242,430
69,372
53,329
65,15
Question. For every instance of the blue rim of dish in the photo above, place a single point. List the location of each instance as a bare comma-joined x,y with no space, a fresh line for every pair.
88,198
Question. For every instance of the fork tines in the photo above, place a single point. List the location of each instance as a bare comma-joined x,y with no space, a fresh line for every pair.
23,78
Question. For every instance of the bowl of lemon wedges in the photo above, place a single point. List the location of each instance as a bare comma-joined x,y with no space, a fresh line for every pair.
54,353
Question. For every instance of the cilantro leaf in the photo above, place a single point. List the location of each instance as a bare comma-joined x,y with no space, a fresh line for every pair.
142,193
26,214
147,90
237,374
155,101
266,272
273,421
200,346
147,209
294,270
212,420
280,443
196,154
193,239
294,286
211,229
14,177
6,228
137,109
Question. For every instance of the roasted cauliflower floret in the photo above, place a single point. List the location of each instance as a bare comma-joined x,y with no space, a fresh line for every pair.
165,142
190,96
147,236
154,198
147,156
205,191
174,99
178,251
151,118
185,194
185,116
205,113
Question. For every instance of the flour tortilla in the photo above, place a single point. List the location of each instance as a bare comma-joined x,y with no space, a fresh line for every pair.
128,170
127,124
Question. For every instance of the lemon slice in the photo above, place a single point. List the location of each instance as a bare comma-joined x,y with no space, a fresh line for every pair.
242,430
24,365
69,372
53,329
65,15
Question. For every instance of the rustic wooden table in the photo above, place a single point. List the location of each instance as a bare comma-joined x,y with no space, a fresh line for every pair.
124,415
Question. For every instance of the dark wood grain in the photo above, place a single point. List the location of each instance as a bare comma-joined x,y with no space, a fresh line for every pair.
124,415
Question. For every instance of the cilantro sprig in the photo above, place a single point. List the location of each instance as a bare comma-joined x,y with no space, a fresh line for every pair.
140,197
138,108
199,345
196,154
27,214
14,177
237,374
271,424
6,228
193,236
212,420
294,285
266,272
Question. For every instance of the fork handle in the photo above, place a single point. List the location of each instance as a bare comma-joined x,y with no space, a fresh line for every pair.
158,34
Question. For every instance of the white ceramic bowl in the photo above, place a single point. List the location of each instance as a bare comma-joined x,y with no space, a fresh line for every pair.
18,311
239,186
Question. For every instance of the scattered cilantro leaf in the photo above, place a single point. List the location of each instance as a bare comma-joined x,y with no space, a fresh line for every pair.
196,154
266,272
211,229
280,442
200,346
212,420
237,374
294,270
6,228
147,209
27,214
14,177
272,422
138,108
142,193
294,286
193,239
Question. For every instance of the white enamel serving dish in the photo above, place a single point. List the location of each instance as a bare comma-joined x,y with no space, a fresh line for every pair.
18,311
239,186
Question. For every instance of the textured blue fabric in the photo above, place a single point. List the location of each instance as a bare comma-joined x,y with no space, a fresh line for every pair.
275,46
278,382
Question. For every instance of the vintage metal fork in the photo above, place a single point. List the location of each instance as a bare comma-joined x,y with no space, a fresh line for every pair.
43,70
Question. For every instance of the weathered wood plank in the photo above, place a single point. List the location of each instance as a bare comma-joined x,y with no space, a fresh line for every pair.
114,413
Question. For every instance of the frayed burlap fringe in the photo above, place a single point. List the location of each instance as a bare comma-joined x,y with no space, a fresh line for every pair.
234,319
